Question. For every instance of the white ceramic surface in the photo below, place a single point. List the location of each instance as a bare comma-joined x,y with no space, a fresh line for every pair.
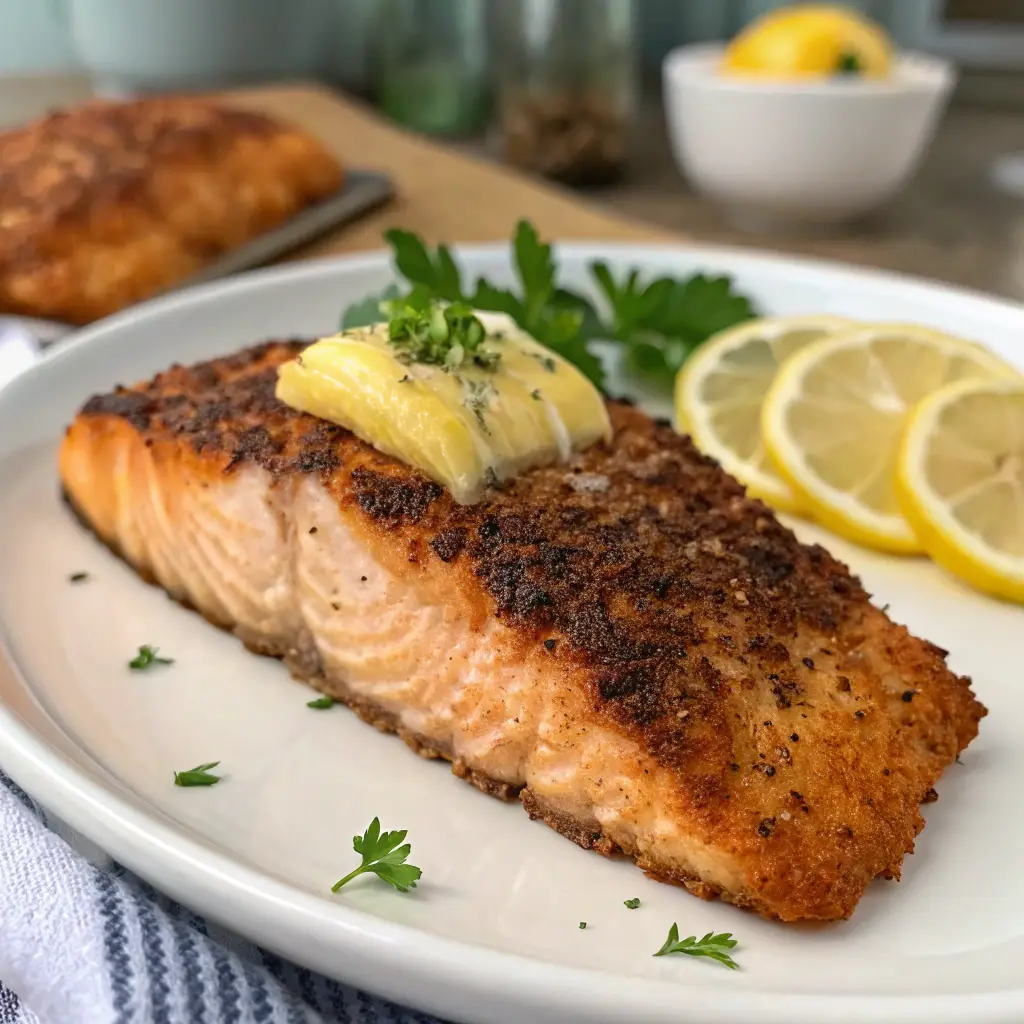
800,152
491,936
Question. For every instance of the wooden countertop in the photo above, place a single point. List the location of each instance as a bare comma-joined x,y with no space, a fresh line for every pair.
444,195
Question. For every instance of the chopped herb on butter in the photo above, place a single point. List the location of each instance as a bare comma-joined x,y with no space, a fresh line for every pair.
448,336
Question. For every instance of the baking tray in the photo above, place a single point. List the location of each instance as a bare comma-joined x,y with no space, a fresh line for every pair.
361,192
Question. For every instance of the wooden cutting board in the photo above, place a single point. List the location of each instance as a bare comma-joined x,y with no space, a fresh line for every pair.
443,195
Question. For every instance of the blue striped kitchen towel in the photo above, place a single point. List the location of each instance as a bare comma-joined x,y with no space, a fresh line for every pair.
83,941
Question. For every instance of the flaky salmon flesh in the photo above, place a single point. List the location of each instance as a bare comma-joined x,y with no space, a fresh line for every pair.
642,654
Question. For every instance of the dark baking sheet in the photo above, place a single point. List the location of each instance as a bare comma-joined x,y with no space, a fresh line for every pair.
361,192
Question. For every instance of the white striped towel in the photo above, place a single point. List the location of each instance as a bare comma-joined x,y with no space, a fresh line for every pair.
83,941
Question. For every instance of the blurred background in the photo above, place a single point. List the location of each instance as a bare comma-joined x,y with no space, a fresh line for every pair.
488,79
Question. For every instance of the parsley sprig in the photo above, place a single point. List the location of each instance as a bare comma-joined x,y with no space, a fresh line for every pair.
715,947
384,855
147,657
656,324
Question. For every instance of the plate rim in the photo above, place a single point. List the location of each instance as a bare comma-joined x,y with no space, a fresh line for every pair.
446,976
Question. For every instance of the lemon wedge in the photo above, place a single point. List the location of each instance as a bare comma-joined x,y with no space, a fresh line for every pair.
960,482
810,41
721,387
464,427
833,418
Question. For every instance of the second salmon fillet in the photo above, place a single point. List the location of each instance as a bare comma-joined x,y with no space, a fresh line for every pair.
640,652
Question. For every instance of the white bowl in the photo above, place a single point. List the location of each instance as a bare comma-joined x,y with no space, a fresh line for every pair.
806,152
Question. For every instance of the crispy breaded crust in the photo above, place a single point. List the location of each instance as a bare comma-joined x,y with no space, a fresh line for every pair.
801,727
110,203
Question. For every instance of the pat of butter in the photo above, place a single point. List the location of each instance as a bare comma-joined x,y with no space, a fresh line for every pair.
464,429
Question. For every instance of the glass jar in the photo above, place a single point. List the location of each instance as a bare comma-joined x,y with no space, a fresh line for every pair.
354,46
433,73
568,86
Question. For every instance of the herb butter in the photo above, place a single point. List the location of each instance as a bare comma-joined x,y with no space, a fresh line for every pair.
469,399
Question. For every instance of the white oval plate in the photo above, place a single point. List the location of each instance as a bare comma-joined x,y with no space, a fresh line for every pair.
492,934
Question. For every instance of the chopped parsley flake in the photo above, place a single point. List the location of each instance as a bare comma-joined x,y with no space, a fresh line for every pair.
147,657
198,776
478,400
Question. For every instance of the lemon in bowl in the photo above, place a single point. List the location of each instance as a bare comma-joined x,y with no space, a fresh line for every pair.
810,42
802,129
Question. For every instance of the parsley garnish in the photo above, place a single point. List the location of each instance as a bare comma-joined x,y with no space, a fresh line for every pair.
383,855
368,311
661,322
713,946
633,903
147,657
657,323
198,776
78,577
583,924
849,64
321,703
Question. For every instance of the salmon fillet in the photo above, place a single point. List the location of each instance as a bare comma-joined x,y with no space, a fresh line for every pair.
640,652
110,203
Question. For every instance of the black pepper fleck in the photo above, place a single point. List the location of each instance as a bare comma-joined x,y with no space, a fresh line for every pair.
795,737
312,529
549,644
809,662
908,696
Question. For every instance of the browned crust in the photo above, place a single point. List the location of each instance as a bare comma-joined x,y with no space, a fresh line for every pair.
109,203
750,667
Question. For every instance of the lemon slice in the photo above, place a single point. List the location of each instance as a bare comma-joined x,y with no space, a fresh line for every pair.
721,387
960,482
833,419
